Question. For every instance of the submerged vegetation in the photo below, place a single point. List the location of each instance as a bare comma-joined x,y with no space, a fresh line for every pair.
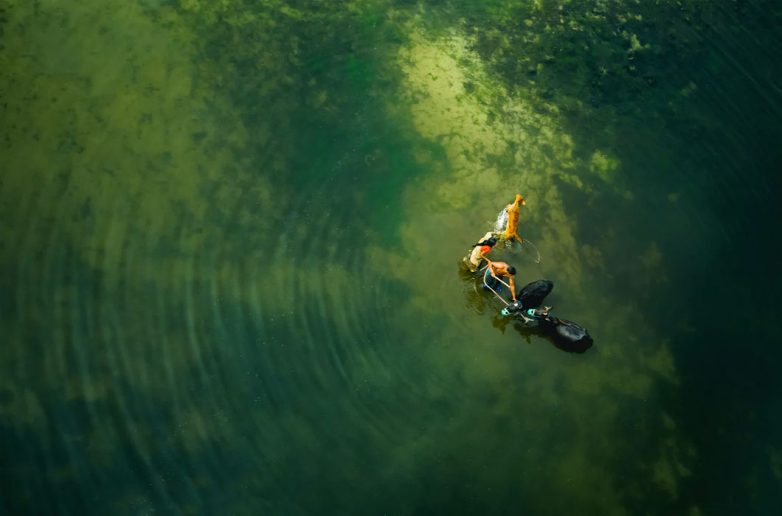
230,235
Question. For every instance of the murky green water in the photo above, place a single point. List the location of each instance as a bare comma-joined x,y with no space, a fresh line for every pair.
230,236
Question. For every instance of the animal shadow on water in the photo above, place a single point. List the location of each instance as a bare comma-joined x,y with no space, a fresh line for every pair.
549,333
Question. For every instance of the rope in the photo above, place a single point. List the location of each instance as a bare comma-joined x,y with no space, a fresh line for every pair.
514,245
537,260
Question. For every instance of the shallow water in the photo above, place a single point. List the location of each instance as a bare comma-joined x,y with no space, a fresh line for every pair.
231,235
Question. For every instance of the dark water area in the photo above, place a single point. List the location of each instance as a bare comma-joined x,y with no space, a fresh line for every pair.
230,246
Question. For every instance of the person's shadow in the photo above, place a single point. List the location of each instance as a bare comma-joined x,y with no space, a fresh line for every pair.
476,298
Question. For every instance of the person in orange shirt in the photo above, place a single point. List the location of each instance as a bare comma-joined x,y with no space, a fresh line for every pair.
479,251
512,227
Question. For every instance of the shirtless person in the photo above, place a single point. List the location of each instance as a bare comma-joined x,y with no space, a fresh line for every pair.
503,270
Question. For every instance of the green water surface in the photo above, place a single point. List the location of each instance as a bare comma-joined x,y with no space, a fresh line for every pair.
230,237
